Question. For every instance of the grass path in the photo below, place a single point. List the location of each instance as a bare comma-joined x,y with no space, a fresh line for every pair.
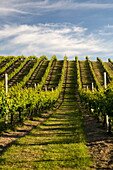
57,144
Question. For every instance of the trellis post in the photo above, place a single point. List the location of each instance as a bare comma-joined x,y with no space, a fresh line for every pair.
92,87
35,86
6,90
45,88
6,83
107,117
105,81
87,88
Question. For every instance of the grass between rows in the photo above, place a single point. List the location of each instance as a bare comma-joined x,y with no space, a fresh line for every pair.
59,143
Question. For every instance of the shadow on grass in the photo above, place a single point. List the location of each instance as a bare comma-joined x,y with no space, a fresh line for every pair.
66,131
54,142
53,163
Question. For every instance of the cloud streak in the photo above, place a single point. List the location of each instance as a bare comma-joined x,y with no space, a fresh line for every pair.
38,8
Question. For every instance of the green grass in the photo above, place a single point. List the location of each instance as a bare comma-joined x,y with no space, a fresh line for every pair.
57,144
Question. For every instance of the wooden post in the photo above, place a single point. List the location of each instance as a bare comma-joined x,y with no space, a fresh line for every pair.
107,123
105,82
87,88
6,83
35,86
45,88
6,90
107,118
92,87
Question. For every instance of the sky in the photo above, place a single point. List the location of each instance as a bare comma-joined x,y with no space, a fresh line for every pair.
57,27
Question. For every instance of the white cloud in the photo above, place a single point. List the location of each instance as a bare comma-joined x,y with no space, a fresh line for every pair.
107,31
50,39
6,11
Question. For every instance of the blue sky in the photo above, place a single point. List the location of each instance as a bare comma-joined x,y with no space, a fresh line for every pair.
57,27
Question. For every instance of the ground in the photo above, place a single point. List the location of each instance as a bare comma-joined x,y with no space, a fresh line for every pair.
99,143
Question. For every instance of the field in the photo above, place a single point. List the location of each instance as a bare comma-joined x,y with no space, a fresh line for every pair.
57,114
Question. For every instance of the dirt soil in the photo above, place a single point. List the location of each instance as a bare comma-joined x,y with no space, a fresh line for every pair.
99,143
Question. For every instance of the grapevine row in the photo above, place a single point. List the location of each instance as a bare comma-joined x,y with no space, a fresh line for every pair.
42,83
97,84
26,102
21,103
26,78
79,83
108,74
99,103
12,60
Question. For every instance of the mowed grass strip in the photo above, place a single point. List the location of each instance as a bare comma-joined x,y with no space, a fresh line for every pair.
57,144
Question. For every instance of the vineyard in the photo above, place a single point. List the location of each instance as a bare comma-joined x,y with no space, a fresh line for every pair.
62,93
